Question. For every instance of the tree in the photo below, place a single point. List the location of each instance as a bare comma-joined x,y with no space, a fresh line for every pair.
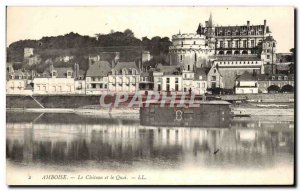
287,88
129,33
273,89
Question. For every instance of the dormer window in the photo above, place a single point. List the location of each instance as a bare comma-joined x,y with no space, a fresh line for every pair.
285,77
200,77
133,72
279,78
273,77
124,71
54,73
69,74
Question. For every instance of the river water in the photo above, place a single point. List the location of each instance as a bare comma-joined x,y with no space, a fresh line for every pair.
93,149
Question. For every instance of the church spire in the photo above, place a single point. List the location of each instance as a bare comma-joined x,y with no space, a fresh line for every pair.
210,23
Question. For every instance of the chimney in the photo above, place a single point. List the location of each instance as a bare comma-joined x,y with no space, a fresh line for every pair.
51,68
248,24
76,70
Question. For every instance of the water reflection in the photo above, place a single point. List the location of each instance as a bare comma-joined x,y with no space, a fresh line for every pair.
72,139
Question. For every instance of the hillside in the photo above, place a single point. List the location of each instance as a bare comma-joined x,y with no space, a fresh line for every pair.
80,47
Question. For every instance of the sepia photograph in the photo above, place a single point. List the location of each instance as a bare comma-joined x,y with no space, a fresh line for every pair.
150,95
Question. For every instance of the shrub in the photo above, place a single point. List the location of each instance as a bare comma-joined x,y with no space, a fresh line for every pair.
287,88
273,88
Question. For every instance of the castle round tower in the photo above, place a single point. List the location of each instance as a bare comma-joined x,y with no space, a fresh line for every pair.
189,51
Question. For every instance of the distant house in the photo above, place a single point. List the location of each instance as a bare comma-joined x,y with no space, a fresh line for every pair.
17,82
280,80
199,82
194,81
97,77
55,81
214,78
246,84
146,81
124,77
167,78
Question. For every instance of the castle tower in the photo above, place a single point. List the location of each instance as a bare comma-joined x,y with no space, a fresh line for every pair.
189,51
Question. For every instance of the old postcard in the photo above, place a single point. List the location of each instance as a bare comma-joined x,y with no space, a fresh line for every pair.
150,95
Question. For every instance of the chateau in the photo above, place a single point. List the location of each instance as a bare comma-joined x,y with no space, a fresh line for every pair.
224,57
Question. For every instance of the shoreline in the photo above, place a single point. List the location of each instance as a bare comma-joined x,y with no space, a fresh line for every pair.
252,111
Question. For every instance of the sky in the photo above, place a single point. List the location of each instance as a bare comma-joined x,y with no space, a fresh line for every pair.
37,22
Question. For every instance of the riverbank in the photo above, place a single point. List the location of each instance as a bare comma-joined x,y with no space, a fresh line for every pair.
250,109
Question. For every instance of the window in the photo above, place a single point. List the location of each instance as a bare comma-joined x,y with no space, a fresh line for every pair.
168,80
176,80
168,87
244,43
215,70
268,56
93,86
181,43
158,87
200,77
195,57
213,78
229,44
236,43
252,43
181,58
69,74
221,44
194,42
176,87
188,67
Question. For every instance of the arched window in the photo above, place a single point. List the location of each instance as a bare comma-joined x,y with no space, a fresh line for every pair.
221,52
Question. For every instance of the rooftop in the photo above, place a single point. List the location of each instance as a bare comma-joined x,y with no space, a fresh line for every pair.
98,68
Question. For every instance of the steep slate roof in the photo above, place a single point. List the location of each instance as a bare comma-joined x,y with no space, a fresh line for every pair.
168,70
28,87
264,77
99,68
269,38
127,65
283,66
146,74
62,72
200,72
246,77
